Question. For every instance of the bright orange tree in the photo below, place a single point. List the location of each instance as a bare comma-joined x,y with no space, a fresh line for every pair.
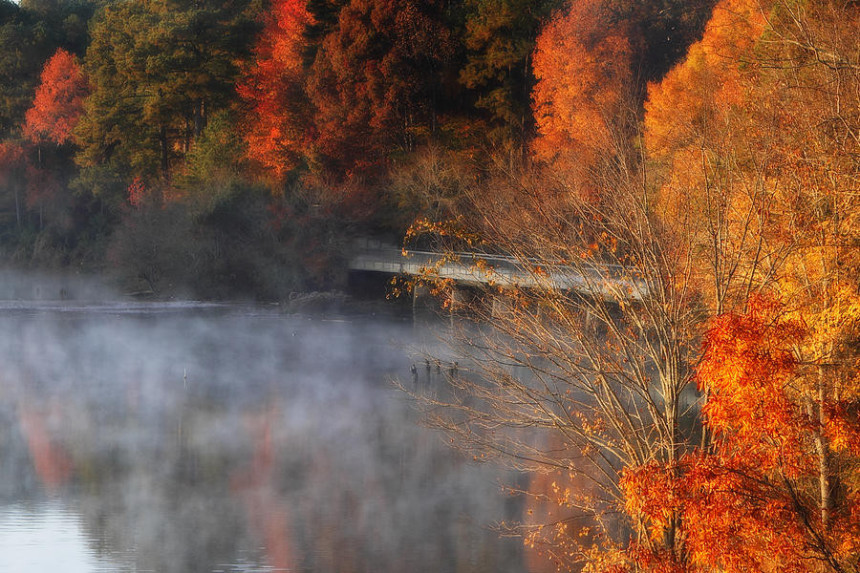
582,66
59,100
749,502
277,125
759,179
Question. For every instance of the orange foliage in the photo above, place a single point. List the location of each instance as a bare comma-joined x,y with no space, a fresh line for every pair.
746,503
582,65
747,366
59,100
273,87
686,104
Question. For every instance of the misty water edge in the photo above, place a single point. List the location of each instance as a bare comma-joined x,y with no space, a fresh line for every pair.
180,437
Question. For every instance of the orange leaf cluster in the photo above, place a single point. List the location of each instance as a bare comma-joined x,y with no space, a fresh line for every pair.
274,89
582,66
687,103
747,367
748,502
59,100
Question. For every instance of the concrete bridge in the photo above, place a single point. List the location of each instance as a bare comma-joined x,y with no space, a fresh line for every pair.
610,282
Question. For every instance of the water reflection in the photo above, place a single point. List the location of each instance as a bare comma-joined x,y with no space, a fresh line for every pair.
227,439
42,536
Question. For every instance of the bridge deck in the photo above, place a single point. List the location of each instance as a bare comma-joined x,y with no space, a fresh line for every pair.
609,281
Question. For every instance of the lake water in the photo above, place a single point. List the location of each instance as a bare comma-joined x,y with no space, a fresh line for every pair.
210,438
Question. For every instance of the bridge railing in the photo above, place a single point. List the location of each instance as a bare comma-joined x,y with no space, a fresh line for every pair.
606,280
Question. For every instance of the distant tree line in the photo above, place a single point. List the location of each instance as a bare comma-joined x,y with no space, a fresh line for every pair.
232,146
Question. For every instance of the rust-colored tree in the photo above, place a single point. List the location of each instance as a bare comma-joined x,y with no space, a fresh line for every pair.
374,83
59,101
278,128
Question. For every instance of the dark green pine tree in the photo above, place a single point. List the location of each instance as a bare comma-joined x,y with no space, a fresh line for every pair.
159,69
499,38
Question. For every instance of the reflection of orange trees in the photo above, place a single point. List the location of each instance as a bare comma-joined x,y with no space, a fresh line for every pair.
559,514
51,462
268,512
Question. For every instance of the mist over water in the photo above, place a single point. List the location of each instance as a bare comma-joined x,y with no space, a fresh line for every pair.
187,437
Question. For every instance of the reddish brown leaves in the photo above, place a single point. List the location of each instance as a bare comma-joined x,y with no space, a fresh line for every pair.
276,129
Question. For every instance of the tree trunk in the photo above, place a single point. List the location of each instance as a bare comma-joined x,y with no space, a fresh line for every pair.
165,151
824,466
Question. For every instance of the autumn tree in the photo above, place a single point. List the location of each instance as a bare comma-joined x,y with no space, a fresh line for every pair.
762,191
30,32
582,63
373,82
765,183
324,17
278,127
59,101
592,60
749,502
733,199
580,363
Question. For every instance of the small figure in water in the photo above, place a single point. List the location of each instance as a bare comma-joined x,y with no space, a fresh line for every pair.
414,371
454,369
427,367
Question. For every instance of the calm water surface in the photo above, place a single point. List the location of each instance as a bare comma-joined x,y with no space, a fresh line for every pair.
183,438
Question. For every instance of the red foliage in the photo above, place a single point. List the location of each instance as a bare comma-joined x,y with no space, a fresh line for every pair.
372,83
276,129
749,502
59,100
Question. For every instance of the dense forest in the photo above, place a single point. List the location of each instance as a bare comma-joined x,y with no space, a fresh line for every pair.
698,412
234,147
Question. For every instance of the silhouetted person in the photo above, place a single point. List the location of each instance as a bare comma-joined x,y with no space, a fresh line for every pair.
427,367
414,371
